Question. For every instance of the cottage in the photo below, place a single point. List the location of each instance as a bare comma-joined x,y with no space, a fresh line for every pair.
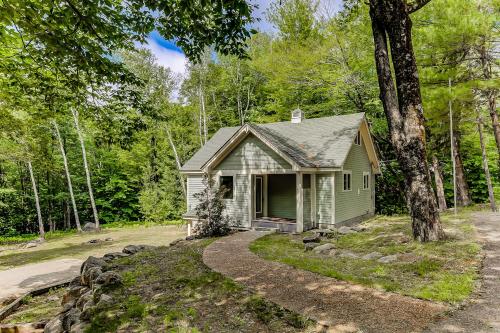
294,175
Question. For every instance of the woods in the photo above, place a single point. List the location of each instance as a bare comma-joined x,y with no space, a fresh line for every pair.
92,129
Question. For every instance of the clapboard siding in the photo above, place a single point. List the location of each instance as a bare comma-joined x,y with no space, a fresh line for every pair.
194,185
282,196
307,209
238,207
358,201
324,198
253,154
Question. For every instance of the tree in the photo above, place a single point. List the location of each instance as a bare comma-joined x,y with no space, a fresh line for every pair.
391,25
37,201
438,180
491,195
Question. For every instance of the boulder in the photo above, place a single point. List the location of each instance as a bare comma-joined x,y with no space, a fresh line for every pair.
133,249
73,294
372,256
348,254
78,328
87,310
89,275
175,242
310,246
108,239
105,300
54,326
333,252
94,241
109,278
359,228
323,248
191,238
346,230
311,239
89,226
84,299
92,262
30,245
388,259
70,318
114,255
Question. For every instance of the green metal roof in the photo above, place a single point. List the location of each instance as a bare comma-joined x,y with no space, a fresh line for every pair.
315,143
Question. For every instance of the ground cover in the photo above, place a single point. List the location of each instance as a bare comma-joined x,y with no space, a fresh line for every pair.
441,271
170,289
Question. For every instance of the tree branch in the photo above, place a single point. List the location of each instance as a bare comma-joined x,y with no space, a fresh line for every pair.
414,5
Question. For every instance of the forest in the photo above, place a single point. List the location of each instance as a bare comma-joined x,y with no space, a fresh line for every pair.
101,139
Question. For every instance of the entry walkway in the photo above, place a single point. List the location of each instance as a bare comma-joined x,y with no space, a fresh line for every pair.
341,306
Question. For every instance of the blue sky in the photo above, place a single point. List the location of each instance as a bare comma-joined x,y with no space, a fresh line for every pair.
170,55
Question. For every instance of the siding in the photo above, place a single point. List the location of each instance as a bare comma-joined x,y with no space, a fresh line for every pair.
194,185
324,198
253,154
356,202
237,208
307,209
282,196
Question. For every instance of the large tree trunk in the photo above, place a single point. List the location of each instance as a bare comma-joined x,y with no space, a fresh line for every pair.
491,196
438,179
37,202
86,166
463,197
177,160
492,107
404,112
68,176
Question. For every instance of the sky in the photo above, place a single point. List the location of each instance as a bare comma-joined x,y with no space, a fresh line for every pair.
169,55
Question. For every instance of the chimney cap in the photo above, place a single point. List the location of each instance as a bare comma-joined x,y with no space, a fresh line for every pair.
297,116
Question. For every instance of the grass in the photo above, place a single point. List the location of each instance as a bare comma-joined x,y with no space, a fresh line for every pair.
171,290
74,245
38,308
441,271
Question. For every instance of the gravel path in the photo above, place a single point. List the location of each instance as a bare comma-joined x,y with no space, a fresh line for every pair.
340,306
482,314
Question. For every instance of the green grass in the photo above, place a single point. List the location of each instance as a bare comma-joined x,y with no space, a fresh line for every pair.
171,290
38,308
441,271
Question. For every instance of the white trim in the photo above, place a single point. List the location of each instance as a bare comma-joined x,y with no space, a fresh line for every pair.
313,200
300,202
191,172
261,177
250,201
334,196
365,173
253,171
265,195
347,172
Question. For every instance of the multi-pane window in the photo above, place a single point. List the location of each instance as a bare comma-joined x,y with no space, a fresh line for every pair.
227,183
366,180
347,180
357,139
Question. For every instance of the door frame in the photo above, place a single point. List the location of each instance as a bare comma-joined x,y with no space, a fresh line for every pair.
261,213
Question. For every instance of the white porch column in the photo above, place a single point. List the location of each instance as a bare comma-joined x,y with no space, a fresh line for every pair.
300,203
313,200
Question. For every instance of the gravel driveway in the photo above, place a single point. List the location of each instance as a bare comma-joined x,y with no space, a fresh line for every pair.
338,305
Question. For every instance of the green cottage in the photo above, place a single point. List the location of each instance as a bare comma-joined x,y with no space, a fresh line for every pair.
292,176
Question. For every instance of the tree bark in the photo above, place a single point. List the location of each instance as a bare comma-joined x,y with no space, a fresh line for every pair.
37,202
438,179
463,197
68,176
491,196
492,107
177,160
404,112
85,165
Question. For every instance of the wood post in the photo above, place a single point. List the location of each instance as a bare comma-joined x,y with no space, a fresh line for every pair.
300,202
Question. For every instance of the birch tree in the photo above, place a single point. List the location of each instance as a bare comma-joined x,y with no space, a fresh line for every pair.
438,180
486,168
86,167
68,175
37,201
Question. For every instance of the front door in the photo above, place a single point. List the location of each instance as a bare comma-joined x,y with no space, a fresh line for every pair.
259,196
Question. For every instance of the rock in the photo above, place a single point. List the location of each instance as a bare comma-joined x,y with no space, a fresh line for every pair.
175,242
409,257
54,326
311,239
84,299
191,238
388,259
89,227
109,278
73,294
323,248
333,252
78,328
67,306
92,262
346,230
310,246
87,310
70,318
133,249
114,255
108,239
94,241
53,298
348,254
372,256
89,275
359,228
105,300
30,245
90,269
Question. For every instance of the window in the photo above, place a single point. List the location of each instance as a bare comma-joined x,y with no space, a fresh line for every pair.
366,180
347,180
357,139
306,181
228,184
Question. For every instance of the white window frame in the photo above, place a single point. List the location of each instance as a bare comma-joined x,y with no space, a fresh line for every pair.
346,172
366,174
357,139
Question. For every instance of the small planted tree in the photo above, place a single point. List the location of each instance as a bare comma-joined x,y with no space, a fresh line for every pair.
210,211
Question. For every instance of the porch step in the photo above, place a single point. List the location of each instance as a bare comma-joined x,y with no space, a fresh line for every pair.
265,229
287,227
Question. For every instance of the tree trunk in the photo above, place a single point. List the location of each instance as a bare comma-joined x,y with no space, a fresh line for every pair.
37,202
85,165
494,119
485,164
404,112
463,197
177,160
203,115
68,176
438,179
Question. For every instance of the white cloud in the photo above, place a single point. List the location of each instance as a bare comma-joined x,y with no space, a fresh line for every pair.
172,59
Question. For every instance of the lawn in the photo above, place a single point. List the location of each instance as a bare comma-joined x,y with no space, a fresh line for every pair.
169,289
443,271
75,245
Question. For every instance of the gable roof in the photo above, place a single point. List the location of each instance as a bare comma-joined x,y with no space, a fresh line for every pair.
313,143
